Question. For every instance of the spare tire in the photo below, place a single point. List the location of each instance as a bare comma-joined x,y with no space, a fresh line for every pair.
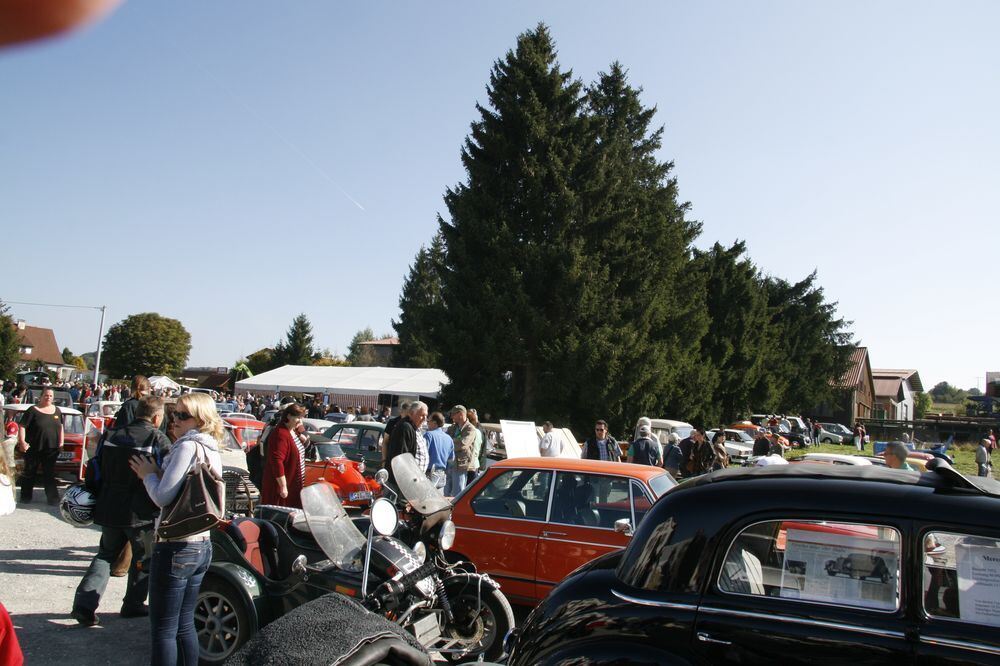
332,630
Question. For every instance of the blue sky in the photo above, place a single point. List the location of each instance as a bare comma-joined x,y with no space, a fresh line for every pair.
232,164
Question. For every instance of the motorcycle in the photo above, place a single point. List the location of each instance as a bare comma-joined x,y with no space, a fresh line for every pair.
477,615
281,558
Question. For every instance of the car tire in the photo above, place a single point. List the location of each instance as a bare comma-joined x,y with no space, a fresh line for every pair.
488,629
826,440
221,621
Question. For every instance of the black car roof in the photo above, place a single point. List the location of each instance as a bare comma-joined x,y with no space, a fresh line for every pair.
940,475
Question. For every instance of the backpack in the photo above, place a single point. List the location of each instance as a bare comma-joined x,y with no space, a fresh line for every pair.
200,505
92,473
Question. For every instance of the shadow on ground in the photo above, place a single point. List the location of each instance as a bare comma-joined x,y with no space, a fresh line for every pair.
47,562
50,638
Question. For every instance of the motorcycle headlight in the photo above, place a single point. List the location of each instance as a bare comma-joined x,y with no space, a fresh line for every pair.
421,551
446,538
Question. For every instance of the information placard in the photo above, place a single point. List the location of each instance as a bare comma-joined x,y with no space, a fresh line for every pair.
979,583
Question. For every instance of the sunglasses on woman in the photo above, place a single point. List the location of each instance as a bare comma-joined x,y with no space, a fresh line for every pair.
180,416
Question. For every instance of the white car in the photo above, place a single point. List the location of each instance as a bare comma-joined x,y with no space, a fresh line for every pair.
739,443
834,459
663,428
834,433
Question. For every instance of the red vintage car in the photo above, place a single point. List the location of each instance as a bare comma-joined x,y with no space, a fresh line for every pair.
246,431
101,414
529,522
75,428
326,462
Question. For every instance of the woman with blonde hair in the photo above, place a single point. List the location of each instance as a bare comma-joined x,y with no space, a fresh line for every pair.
178,565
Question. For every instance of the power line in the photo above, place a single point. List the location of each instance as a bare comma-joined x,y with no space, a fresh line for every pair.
54,305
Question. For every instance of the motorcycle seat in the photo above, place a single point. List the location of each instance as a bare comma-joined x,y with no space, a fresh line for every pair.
260,547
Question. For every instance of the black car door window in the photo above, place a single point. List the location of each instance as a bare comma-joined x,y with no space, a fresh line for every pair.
590,500
846,564
370,440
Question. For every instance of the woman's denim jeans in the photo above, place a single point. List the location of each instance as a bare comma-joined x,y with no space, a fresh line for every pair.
174,578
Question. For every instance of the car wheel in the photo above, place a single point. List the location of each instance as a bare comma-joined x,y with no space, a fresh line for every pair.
483,617
221,621
827,440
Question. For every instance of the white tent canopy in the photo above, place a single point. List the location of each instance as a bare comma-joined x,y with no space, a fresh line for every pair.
347,380
161,383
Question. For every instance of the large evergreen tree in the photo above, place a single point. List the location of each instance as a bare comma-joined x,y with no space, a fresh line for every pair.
809,346
513,257
145,344
359,354
640,346
297,348
734,349
421,310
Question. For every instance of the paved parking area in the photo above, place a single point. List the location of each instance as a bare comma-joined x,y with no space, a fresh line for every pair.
42,559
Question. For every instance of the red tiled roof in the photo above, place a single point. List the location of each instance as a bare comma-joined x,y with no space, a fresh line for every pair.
855,369
43,345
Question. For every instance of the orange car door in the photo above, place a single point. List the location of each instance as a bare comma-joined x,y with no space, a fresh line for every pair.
499,526
581,525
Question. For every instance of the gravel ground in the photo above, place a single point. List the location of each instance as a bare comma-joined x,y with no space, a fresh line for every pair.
42,559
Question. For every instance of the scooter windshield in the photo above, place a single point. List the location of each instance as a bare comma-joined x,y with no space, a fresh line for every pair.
332,528
416,487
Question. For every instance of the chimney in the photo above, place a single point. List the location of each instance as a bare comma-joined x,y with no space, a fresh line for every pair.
21,324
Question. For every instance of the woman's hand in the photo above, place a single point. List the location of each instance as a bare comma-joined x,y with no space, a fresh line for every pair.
283,492
143,465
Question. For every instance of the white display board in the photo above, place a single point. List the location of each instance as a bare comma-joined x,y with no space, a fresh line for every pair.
979,583
520,439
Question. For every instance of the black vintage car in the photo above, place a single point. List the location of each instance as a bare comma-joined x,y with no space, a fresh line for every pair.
735,567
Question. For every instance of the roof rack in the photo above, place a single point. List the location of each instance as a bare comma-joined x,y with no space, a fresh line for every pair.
955,479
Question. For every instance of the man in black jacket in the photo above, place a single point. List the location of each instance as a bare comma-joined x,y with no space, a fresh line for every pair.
124,512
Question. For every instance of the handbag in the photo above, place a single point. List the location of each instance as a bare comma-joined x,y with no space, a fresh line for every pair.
200,505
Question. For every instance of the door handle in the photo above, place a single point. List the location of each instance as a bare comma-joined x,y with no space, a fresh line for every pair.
547,533
706,638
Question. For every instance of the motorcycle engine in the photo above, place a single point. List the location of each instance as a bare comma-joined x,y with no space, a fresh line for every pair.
395,559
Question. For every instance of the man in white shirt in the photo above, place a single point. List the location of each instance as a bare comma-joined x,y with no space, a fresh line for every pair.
551,444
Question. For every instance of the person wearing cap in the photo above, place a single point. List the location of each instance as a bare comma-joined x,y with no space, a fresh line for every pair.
464,436
643,451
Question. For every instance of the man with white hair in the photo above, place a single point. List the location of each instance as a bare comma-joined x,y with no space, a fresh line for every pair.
643,451
407,438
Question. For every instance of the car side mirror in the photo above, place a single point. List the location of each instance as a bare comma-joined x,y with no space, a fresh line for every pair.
382,476
624,526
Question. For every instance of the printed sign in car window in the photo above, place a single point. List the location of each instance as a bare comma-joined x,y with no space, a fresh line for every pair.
962,577
838,563
841,563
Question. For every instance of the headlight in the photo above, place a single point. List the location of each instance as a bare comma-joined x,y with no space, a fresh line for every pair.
421,551
446,538
361,466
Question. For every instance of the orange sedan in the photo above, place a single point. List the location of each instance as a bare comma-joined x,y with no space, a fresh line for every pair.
529,522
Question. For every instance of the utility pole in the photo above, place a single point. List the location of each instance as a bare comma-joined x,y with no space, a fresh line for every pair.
100,340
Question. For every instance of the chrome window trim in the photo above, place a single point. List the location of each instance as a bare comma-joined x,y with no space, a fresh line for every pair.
899,567
514,534
962,645
552,492
583,543
631,503
884,633
652,602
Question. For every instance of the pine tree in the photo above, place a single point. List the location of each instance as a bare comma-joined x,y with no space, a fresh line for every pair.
735,347
421,309
809,347
297,349
513,257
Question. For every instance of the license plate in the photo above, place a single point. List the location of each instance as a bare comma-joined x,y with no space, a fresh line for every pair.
65,455
360,495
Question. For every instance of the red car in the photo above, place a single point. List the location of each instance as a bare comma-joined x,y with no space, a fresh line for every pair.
327,462
101,414
245,431
75,428
529,522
